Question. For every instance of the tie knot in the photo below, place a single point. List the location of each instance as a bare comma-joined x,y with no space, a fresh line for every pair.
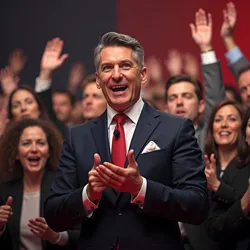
120,118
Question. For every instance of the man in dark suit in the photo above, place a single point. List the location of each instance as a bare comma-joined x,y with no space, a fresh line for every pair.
132,202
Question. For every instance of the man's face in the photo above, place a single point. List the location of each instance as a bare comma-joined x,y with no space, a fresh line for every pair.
94,102
62,106
244,86
119,77
183,101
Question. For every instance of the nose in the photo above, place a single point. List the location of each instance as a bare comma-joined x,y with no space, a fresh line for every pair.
34,147
89,100
179,101
224,123
116,76
23,107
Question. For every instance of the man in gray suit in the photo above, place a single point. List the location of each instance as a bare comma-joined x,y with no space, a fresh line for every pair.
184,94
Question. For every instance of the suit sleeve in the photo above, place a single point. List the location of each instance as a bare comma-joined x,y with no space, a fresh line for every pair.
227,222
226,218
187,200
213,86
236,60
64,207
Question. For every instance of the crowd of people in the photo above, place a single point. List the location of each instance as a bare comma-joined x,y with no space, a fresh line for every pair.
49,139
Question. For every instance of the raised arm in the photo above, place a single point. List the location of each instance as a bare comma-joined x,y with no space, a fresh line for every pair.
202,32
234,56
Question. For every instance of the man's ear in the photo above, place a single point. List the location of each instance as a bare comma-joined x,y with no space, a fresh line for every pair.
143,76
97,79
201,106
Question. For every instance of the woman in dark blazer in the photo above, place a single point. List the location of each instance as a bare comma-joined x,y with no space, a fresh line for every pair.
228,221
29,153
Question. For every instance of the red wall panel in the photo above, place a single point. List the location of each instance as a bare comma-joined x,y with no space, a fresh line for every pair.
161,25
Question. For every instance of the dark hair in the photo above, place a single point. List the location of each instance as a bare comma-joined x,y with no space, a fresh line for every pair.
243,70
184,78
245,152
43,112
10,167
67,93
234,92
210,145
117,39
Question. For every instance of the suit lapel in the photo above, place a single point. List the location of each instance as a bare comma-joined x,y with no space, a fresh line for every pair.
147,123
100,135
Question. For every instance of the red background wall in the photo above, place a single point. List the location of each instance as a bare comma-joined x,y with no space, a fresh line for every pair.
164,24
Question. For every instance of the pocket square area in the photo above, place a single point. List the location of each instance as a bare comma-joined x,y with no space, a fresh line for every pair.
150,147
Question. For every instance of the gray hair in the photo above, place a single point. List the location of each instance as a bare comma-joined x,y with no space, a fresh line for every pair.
116,39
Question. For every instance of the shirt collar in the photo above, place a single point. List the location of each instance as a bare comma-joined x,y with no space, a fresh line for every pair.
133,112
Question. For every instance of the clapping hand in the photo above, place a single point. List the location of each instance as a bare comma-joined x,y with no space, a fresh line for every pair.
210,172
40,228
122,179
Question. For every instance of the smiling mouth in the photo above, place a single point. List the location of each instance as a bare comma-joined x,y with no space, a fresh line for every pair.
119,88
34,161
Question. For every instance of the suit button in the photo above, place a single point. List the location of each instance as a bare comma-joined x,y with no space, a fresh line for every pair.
112,247
119,213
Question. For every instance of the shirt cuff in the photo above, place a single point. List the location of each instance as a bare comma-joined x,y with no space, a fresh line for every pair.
2,231
139,199
208,57
42,85
87,203
63,239
234,55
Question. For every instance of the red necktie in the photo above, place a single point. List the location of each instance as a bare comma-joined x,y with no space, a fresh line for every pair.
118,142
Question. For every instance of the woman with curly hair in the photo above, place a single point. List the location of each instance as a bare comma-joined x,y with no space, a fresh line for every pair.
29,154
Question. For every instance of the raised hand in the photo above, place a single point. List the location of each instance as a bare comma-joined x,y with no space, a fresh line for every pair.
17,61
174,62
95,186
202,30
8,80
52,58
154,69
40,228
210,172
191,66
229,20
5,212
76,76
122,179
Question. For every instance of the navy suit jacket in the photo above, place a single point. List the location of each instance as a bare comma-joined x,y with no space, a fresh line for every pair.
176,185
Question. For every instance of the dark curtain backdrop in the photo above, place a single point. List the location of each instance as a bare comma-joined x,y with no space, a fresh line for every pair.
29,24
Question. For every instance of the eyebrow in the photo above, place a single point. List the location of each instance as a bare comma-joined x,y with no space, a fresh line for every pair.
112,62
184,93
228,115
